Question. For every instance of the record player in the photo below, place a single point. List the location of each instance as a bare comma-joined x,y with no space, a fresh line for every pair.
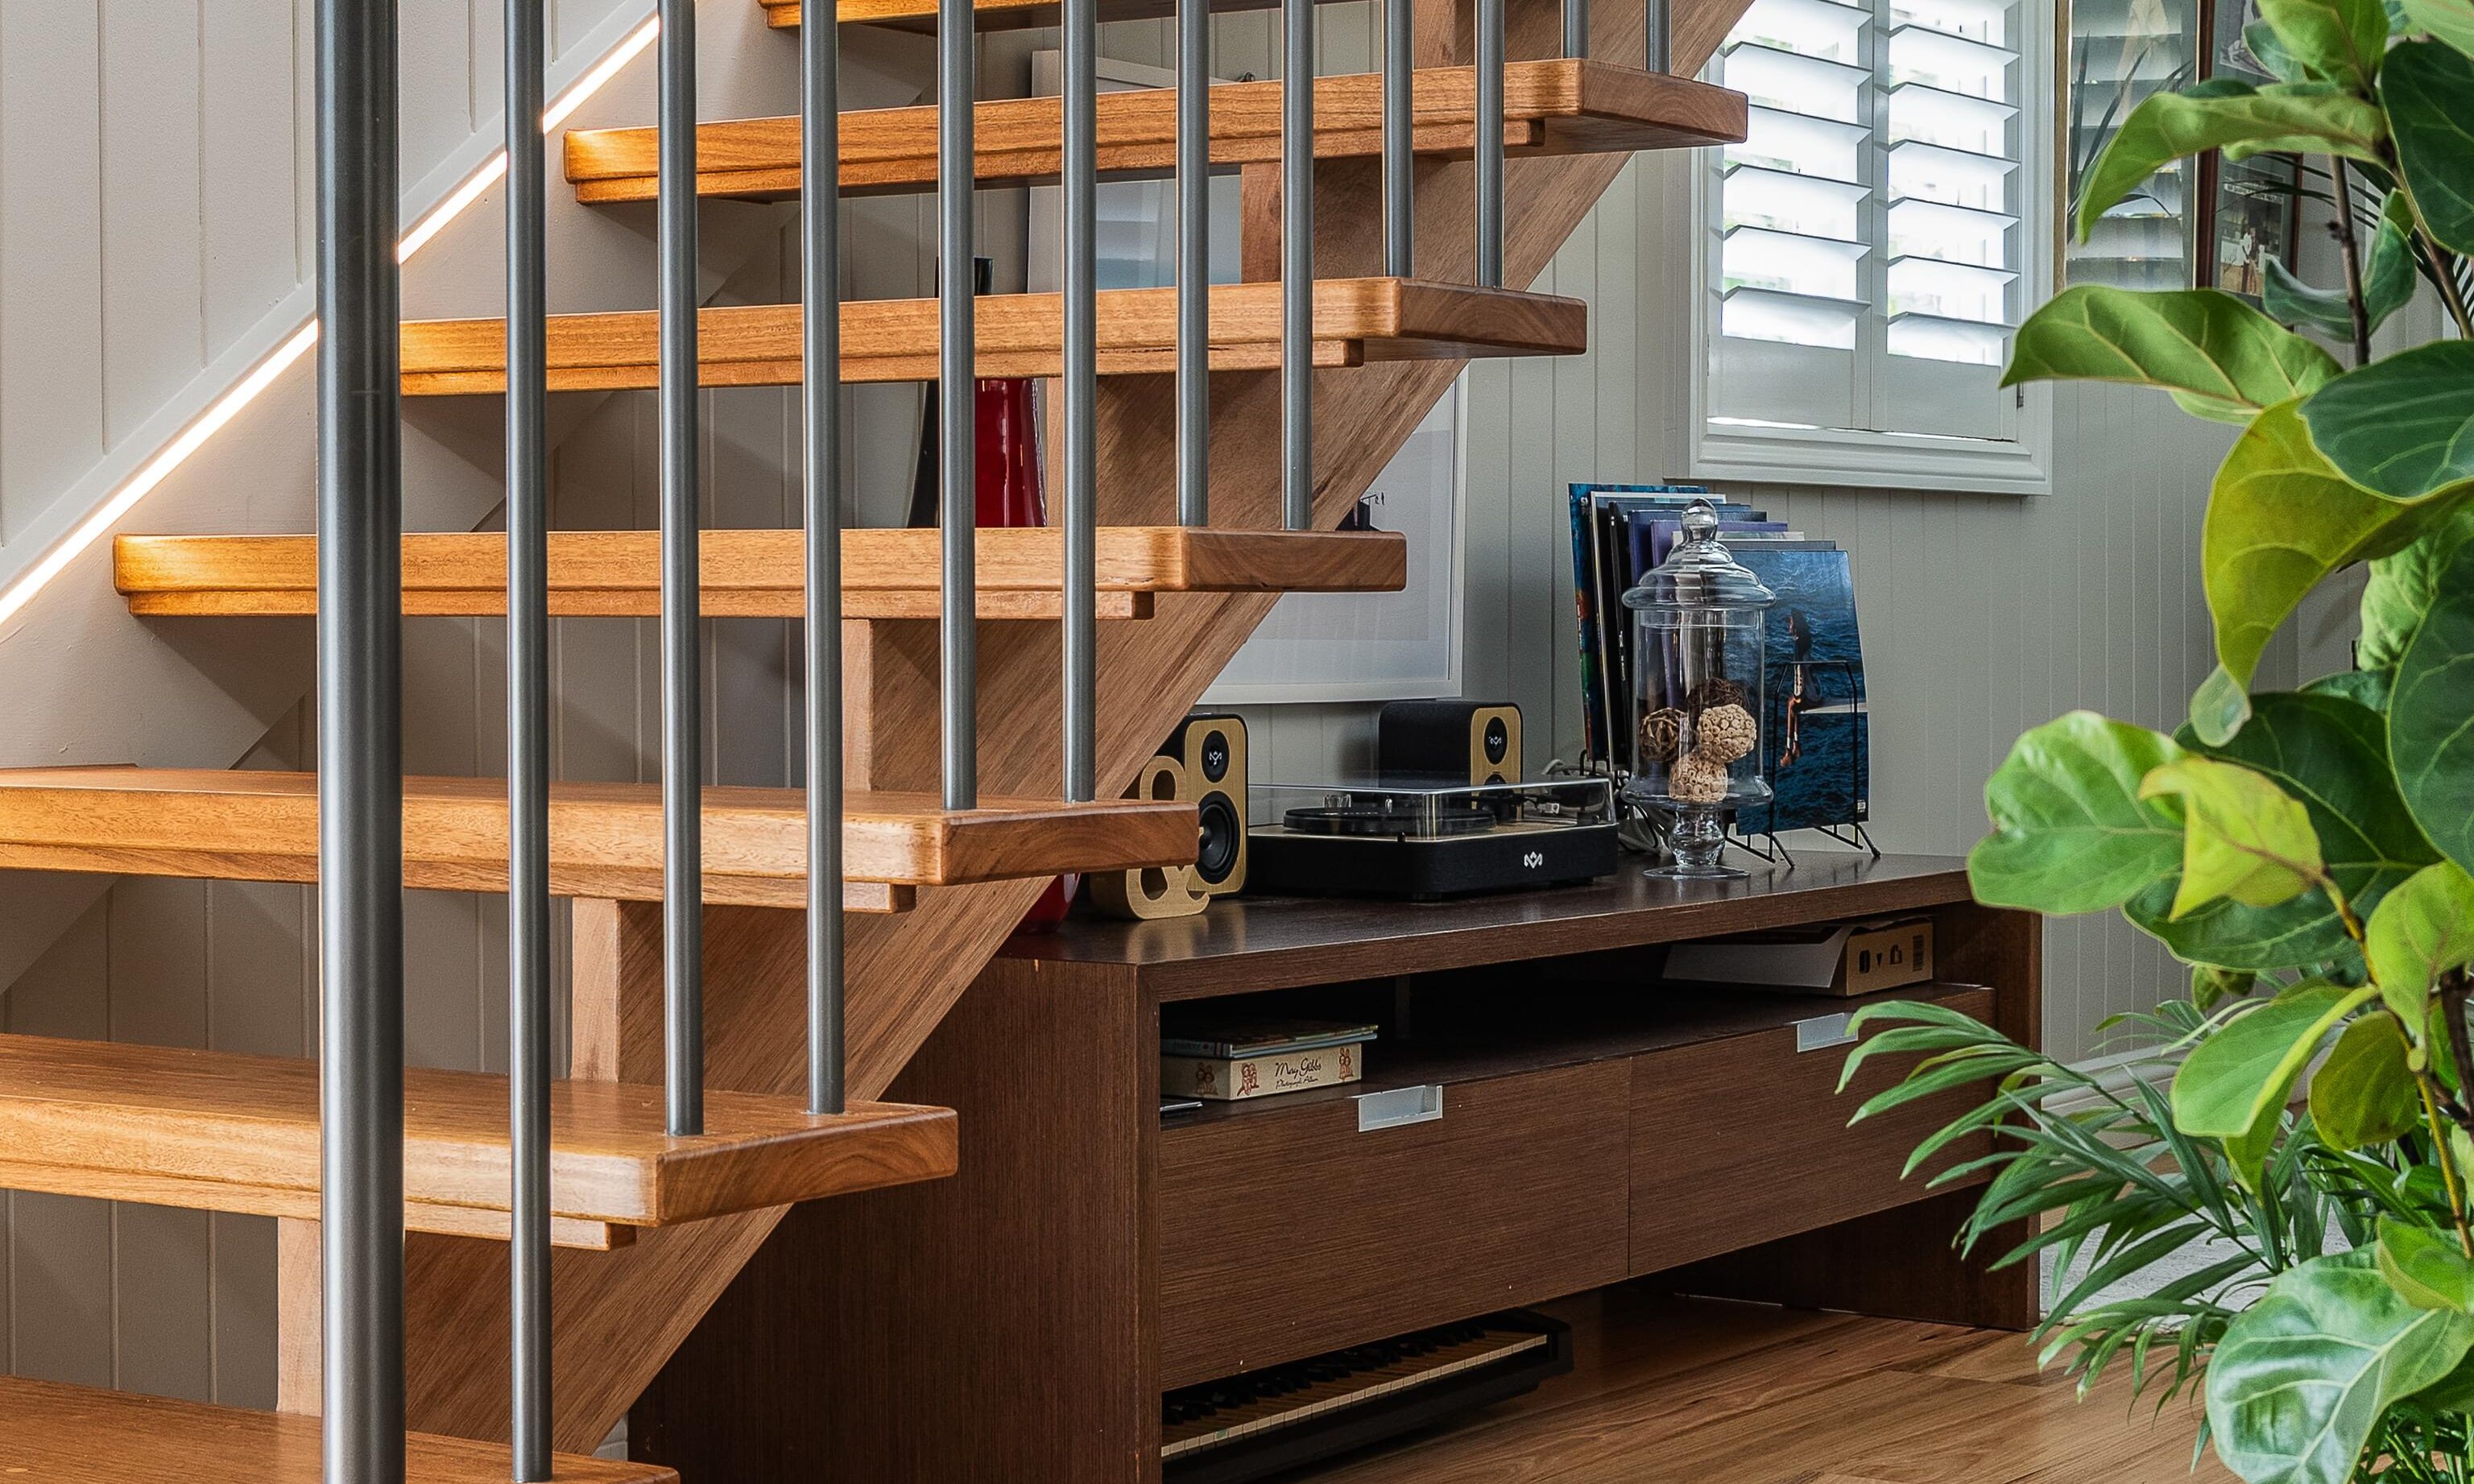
1426,838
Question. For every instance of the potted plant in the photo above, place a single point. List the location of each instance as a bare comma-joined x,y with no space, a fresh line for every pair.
2306,852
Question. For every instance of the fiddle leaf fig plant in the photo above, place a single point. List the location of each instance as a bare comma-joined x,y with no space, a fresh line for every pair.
2268,1207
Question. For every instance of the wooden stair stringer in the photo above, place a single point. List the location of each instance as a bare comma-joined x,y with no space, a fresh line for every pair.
619,1316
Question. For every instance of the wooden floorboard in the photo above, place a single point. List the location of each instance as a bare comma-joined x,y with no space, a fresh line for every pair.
1696,1391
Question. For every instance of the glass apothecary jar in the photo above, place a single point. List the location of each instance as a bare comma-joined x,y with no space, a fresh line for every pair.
1698,621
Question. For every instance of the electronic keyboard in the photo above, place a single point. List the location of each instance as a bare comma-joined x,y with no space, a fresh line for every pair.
1279,1418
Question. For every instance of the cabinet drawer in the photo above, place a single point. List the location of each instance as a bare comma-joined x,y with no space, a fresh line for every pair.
1745,1139
1286,1232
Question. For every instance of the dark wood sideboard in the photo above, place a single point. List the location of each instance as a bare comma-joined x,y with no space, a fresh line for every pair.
1020,1320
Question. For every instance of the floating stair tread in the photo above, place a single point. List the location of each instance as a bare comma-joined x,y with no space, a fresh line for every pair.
1355,320
605,838
78,1435
1557,105
989,14
236,1132
759,574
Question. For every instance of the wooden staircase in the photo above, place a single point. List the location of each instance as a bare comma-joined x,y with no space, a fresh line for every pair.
654,1226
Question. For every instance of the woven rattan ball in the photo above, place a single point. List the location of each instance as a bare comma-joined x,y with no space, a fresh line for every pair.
1698,780
1725,733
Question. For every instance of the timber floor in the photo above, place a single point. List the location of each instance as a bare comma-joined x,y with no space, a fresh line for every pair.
1681,1392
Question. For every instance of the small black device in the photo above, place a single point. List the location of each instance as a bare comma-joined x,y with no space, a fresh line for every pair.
1425,839
1479,741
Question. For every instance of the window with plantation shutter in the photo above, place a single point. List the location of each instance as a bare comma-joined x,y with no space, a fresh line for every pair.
1872,243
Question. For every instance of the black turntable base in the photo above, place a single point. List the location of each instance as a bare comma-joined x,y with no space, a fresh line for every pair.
1361,850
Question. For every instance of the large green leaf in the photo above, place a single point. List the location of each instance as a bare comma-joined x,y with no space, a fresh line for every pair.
2428,1269
2219,355
2244,1072
2364,1093
2279,521
2429,89
2340,40
2301,1378
2070,832
2402,426
2243,836
2430,715
2368,688
2289,118
2387,284
2450,20
2402,586
2418,931
2331,753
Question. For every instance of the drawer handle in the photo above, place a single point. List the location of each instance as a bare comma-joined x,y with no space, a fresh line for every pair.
1822,1032
1399,1107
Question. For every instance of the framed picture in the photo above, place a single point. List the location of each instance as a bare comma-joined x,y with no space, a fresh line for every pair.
1137,219
1376,646
2249,209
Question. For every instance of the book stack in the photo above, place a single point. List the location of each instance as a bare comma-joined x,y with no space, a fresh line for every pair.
1229,1060
1815,746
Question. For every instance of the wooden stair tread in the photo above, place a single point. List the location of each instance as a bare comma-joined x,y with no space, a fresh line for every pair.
988,14
224,1132
605,838
1355,320
78,1435
1557,105
761,574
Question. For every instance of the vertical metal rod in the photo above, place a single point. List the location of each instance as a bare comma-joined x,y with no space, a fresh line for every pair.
1079,171
1489,143
1660,23
1296,263
1399,150
1194,263
528,901
1576,27
682,686
820,395
361,750
956,402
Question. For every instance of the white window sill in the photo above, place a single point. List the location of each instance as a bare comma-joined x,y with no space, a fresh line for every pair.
1771,453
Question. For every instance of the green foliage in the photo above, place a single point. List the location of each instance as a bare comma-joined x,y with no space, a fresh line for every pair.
2419,931
2330,754
2070,832
2281,519
2338,41
2219,357
2387,286
2287,117
2431,714
2243,836
2302,1378
2401,427
2428,1269
2402,587
2234,1086
2429,89
2364,1093
2450,20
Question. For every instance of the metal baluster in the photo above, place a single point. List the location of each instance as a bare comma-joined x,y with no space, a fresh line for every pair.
361,750
820,395
528,904
1079,170
1194,263
1660,22
959,657
1489,143
681,689
1399,148
1576,27
1296,263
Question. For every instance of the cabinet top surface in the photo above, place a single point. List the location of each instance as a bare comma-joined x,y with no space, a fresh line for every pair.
1266,943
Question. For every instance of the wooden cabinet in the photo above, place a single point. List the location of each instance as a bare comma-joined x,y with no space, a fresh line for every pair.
1745,1139
1285,1231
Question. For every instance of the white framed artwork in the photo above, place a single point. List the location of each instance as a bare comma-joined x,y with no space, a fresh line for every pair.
1377,647
1137,219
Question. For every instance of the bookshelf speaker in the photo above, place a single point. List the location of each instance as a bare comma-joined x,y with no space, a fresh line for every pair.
1450,739
1204,762
1212,747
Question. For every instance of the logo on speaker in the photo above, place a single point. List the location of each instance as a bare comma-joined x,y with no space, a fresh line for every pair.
1534,858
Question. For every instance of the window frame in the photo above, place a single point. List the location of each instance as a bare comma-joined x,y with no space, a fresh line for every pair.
1743,451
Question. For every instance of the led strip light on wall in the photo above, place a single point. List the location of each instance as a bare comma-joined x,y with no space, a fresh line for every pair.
264,374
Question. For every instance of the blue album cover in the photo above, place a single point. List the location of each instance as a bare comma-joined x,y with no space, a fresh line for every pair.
1815,744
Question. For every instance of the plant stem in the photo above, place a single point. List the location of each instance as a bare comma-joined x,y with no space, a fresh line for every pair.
2347,249
2454,990
2447,1161
2447,282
